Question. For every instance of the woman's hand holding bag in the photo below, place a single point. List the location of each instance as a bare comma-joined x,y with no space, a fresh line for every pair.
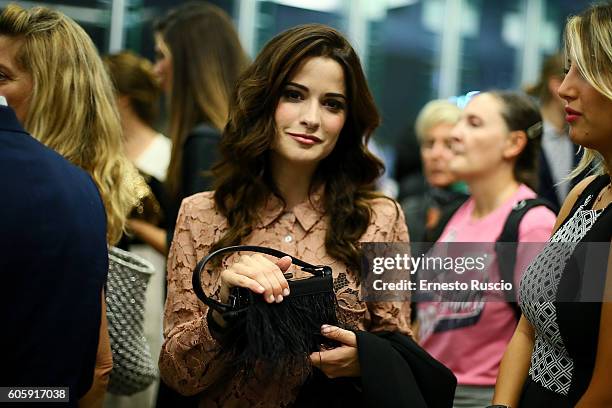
257,274
270,325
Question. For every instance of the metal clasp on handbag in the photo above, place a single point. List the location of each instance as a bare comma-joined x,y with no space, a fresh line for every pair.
241,298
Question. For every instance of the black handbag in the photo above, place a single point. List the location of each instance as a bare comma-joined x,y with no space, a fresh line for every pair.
274,337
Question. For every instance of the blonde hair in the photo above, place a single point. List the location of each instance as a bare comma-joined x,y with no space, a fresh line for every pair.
588,43
72,108
436,112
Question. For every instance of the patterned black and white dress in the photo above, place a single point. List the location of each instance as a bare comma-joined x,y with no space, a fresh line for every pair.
566,332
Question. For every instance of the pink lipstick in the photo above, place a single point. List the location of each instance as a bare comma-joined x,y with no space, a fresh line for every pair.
305,139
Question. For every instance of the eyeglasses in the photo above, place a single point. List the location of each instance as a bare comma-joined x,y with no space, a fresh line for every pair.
463,100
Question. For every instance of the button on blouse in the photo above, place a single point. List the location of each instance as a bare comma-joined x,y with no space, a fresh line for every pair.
189,347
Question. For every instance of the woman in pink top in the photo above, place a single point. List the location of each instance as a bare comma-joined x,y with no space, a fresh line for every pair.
295,175
496,145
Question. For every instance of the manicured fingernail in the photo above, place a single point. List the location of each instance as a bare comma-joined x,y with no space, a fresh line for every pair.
271,298
286,292
279,298
326,328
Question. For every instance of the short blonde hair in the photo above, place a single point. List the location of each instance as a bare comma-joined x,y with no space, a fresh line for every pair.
436,112
588,42
72,105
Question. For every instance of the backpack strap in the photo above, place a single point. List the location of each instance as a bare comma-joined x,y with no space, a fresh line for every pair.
449,210
506,252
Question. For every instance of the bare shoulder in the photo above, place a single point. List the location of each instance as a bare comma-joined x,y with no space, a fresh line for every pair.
569,202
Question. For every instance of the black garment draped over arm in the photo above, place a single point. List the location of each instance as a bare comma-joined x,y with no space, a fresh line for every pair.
395,372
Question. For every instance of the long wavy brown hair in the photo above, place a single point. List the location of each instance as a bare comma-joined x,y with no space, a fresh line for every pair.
207,59
243,180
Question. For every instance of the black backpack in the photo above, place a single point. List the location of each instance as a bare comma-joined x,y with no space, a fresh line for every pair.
507,251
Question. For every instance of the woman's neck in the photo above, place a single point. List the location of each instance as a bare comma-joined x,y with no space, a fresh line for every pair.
138,136
490,192
293,181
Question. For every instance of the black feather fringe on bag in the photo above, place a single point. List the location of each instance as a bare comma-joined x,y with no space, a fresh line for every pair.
268,339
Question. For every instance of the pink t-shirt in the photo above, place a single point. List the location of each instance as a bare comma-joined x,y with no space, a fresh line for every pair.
473,352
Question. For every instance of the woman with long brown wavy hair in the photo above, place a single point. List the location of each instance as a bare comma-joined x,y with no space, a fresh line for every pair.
295,175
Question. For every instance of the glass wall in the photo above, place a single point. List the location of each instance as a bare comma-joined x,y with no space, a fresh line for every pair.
413,50
276,16
410,50
93,15
140,17
491,49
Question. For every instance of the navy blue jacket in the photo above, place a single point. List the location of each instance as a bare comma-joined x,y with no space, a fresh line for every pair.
53,265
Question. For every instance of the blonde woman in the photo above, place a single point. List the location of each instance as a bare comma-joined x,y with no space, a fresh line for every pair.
61,93
428,213
71,106
559,154
561,352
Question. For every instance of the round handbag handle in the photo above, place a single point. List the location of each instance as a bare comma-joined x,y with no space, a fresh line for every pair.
317,270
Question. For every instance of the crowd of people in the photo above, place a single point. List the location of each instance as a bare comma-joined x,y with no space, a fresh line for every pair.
275,153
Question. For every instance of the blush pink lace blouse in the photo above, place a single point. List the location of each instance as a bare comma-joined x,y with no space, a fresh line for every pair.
188,346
